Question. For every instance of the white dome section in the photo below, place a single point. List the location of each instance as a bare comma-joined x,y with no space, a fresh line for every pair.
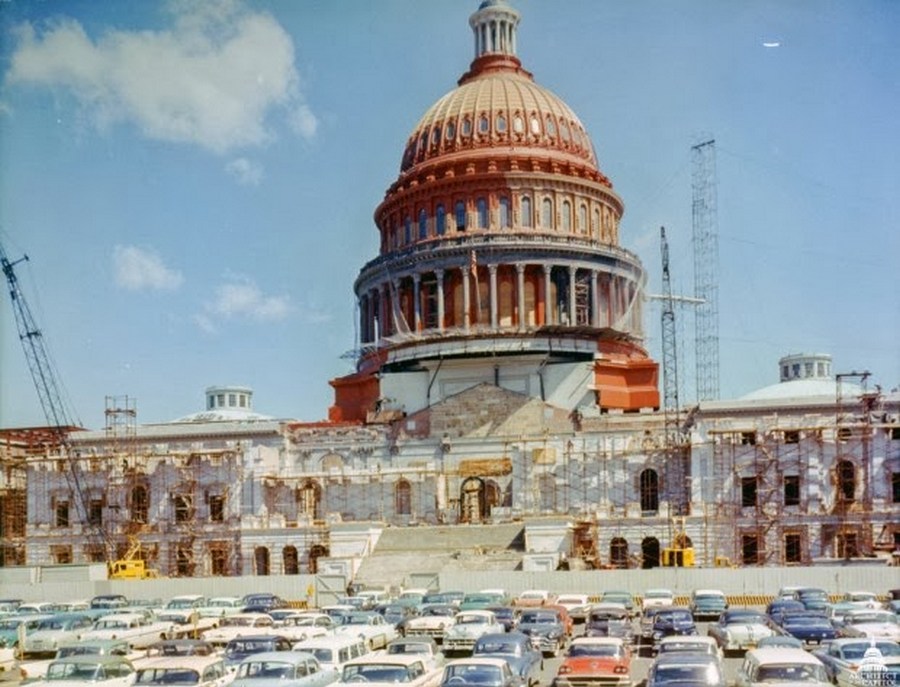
805,375
227,404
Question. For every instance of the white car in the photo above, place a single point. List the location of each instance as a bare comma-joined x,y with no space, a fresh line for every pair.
238,625
467,627
184,610
872,624
533,597
220,606
53,631
576,605
657,597
184,671
390,670
739,629
432,621
134,628
369,626
300,626
781,666
862,599
333,651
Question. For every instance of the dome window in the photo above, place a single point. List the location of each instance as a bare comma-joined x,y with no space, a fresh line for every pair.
423,224
451,130
547,213
407,230
582,218
460,212
436,135
467,127
535,125
481,203
501,123
484,124
551,127
423,142
440,217
518,124
564,131
567,216
504,213
526,212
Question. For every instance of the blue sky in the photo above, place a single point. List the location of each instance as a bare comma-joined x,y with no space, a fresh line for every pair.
194,182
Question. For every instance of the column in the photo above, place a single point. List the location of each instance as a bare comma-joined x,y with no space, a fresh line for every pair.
492,270
382,310
520,294
613,300
572,318
417,305
440,298
595,300
548,303
467,319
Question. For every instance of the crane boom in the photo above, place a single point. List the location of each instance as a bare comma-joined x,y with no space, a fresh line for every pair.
43,374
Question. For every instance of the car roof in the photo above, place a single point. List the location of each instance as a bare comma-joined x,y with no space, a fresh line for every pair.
779,654
283,656
685,658
478,661
381,658
597,640
327,642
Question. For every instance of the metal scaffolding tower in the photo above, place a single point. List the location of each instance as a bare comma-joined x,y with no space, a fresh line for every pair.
706,268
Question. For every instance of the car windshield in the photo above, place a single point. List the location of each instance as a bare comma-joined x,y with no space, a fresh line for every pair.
606,650
805,620
469,619
473,675
355,619
236,621
74,671
745,618
181,603
674,617
876,617
791,673
498,647
167,676
376,672
408,648
266,669
697,674
110,624
538,618
248,646
858,650
693,647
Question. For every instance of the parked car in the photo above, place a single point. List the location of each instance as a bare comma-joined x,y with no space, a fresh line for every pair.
240,625
300,626
479,672
657,597
101,647
481,600
240,648
617,596
609,620
546,628
680,669
809,627
53,631
335,650
134,628
708,603
872,624
262,602
775,665
432,621
184,671
220,606
9,628
863,599
467,627
452,597
672,621
110,602
508,616
178,647
694,644
595,660
389,670
397,614
283,669
93,671
368,626
844,658
778,607
424,647
814,599
516,649
739,629
534,597
577,606
183,609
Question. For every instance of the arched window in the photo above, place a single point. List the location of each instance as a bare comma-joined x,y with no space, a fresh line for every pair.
261,560
482,206
423,224
618,553
595,226
547,214
582,219
567,216
466,127
308,499
501,123
551,127
440,218
526,212
484,124
451,130
290,560
505,222
140,504
436,135
846,481
649,485
535,125
407,230
460,212
403,497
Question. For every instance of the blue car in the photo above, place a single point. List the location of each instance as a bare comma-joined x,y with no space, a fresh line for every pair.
810,628
517,650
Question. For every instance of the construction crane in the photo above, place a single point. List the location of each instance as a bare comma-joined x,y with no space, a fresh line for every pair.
59,421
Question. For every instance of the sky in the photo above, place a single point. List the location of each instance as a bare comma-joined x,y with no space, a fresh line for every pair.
194,181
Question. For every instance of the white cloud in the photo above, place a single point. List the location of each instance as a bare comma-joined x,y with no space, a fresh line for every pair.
241,297
212,79
247,172
140,269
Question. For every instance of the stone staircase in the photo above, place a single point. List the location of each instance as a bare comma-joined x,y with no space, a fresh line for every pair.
405,551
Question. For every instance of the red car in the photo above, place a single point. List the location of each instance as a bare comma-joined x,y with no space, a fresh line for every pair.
599,660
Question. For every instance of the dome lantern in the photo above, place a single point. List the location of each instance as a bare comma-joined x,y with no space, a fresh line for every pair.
494,25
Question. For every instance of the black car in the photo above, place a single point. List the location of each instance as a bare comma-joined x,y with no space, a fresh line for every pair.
809,627
546,629
506,615
777,608
673,621
263,603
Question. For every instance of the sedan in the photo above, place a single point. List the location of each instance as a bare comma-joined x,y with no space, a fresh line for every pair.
844,659
872,624
85,671
809,628
595,660
739,629
516,649
680,669
283,669
546,629
479,672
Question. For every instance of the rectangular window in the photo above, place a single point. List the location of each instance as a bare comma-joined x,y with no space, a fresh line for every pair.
792,437
895,433
184,510
895,486
748,492
792,490
61,553
793,548
750,549
217,508
62,514
95,512
218,558
748,438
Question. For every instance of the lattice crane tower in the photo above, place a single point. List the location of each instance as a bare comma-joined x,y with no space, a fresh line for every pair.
706,268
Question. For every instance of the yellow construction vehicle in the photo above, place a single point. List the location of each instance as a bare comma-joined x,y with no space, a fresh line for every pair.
130,566
681,553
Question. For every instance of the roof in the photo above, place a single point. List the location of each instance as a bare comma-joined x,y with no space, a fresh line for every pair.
803,388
